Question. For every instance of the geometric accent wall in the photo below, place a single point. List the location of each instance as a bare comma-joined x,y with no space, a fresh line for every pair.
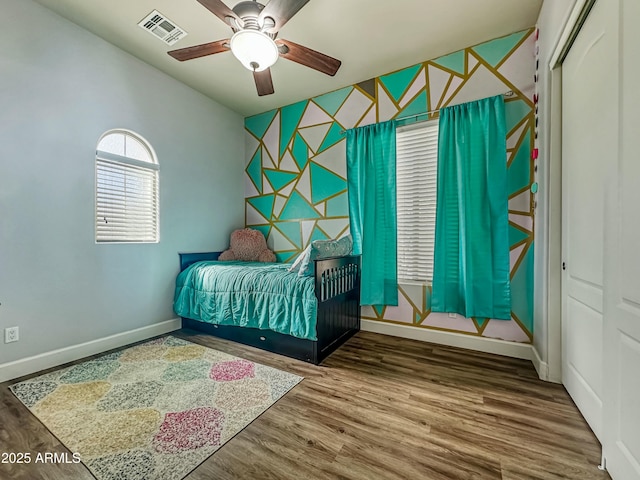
295,177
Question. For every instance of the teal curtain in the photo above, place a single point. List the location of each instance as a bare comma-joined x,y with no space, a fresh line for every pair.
371,178
471,262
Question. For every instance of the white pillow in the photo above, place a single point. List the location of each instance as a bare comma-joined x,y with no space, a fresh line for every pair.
295,266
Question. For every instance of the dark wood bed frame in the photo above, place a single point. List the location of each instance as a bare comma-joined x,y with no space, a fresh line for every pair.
337,287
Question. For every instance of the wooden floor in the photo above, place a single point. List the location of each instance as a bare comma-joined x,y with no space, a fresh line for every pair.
378,408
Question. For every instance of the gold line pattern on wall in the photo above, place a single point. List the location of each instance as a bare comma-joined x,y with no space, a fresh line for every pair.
295,185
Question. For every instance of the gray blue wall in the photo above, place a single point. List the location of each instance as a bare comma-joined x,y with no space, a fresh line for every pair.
61,87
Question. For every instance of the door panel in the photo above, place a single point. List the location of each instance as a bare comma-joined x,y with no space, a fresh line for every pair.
629,394
589,138
582,374
587,293
622,269
586,327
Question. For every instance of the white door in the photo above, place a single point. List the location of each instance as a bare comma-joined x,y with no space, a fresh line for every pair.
621,444
589,143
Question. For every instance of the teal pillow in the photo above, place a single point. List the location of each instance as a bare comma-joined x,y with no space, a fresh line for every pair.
321,249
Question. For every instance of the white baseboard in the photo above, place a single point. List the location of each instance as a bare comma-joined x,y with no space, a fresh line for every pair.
470,342
541,367
26,366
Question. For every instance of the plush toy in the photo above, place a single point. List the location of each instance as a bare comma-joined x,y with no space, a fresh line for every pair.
248,245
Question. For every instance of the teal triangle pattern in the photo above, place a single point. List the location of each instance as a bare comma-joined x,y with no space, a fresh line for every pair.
317,234
334,135
516,235
397,83
300,151
285,257
338,206
324,183
278,178
298,208
332,101
518,175
289,118
291,230
258,124
454,62
264,229
417,106
254,169
379,309
495,51
521,282
514,112
417,317
263,204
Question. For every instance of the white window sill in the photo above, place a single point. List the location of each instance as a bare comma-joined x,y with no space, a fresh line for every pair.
414,283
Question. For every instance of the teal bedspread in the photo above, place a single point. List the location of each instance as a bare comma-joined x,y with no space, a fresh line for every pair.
258,295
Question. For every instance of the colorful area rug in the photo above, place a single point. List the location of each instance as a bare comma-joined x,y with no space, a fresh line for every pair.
153,411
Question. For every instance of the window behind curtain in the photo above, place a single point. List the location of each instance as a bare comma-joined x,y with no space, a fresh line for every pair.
417,168
126,189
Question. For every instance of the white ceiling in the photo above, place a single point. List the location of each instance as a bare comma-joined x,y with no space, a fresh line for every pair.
370,37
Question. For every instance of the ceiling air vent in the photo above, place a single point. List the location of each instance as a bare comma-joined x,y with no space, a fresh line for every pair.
163,28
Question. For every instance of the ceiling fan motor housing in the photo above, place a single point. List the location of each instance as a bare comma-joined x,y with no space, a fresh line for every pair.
248,8
249,13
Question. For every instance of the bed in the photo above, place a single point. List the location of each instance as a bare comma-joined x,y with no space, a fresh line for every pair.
326,305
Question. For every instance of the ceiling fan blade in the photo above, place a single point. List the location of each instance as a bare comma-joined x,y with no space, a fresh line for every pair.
219,9
197,51
264,84
281,11
309,58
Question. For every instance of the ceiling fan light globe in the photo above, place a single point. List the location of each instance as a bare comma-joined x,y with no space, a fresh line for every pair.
253,48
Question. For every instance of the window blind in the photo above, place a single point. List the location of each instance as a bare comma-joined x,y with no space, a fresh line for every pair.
417,169
126,199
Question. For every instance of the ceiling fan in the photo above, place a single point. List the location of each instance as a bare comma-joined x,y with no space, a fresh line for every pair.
255,29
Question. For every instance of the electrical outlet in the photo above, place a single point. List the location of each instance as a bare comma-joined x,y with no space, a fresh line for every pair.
11,334
452,315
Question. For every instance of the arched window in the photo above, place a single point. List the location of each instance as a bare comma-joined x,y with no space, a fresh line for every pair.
126,189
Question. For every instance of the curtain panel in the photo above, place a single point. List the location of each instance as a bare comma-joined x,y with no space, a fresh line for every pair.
371,179
471,263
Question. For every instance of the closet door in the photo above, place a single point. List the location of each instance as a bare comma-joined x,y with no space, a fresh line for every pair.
622,269
589,147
